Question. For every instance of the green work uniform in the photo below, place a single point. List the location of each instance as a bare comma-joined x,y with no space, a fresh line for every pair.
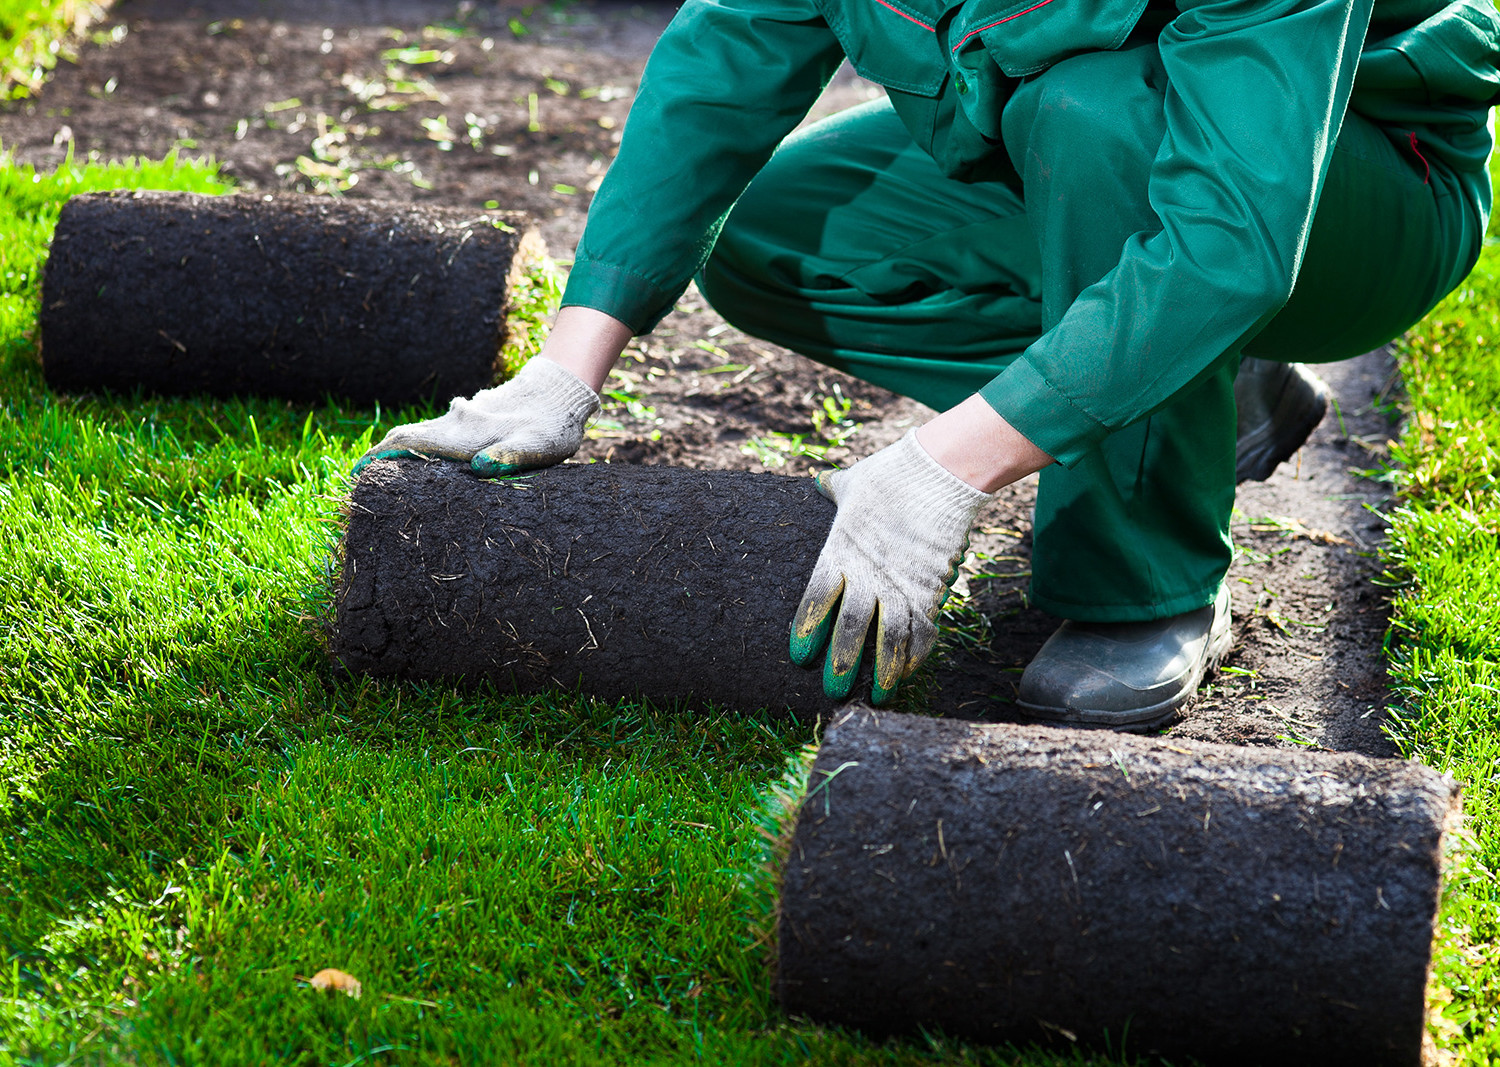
1085,212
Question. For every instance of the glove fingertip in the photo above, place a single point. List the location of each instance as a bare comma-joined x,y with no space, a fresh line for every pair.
880,695
496,462
370,457
892,640
489,467
838,684
815,616
923,639
807,641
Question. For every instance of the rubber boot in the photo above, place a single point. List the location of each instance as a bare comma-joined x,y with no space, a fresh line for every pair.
1129,676
1277,406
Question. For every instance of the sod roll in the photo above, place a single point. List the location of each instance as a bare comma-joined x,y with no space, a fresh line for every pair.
1234,905
614,581
300,297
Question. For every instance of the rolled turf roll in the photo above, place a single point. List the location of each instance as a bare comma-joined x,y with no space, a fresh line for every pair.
614,581
289,296
1235,905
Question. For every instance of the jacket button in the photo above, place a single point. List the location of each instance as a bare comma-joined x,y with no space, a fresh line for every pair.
959,83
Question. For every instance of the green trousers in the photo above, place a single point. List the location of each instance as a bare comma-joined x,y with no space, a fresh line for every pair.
852,248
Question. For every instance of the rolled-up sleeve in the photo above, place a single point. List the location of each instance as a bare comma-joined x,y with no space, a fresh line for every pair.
1256,94
726,82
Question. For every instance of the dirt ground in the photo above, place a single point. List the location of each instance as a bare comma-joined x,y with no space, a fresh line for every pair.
522,108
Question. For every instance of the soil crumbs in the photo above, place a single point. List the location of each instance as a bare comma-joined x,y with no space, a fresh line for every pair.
521,108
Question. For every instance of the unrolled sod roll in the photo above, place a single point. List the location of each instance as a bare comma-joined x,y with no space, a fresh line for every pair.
289,296
614,581
1236,905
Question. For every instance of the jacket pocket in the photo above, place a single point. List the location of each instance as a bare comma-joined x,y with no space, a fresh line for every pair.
1025,36
891,42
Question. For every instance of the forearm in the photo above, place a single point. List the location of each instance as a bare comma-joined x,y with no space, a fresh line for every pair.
586,342
979,446
726,82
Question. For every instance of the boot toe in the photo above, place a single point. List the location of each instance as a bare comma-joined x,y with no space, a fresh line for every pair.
1124,676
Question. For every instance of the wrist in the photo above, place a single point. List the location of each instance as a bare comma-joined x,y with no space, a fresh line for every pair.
587,343
976,444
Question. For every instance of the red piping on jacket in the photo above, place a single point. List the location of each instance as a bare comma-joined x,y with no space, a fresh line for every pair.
1427,173
997,22
919,22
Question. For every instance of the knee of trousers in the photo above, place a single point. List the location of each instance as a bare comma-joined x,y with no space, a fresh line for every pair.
1090,118
754,270
763,246
732,284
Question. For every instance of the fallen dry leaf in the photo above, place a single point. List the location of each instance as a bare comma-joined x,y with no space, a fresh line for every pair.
331,978
1294,528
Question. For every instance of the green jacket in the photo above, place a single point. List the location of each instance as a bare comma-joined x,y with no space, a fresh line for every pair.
1260,88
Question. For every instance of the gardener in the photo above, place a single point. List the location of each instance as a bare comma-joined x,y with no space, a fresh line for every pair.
1064,229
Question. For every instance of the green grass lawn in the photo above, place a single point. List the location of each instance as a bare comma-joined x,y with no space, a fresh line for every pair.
196,815
34,34
1445,639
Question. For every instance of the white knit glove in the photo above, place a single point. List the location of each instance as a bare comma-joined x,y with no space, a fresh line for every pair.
901,531
534,420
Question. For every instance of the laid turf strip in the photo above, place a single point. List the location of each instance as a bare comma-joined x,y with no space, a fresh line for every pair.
615,581
288,296
1228,904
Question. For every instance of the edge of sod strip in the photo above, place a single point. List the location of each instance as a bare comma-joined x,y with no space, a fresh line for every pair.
775,821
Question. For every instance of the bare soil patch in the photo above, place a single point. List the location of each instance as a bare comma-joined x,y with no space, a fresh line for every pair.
468,106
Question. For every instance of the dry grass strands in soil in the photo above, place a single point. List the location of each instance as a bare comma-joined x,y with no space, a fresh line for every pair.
1233,905
617,582
288,296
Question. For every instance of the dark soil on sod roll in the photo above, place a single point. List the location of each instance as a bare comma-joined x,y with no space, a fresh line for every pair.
288,296
1226,903
614,581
